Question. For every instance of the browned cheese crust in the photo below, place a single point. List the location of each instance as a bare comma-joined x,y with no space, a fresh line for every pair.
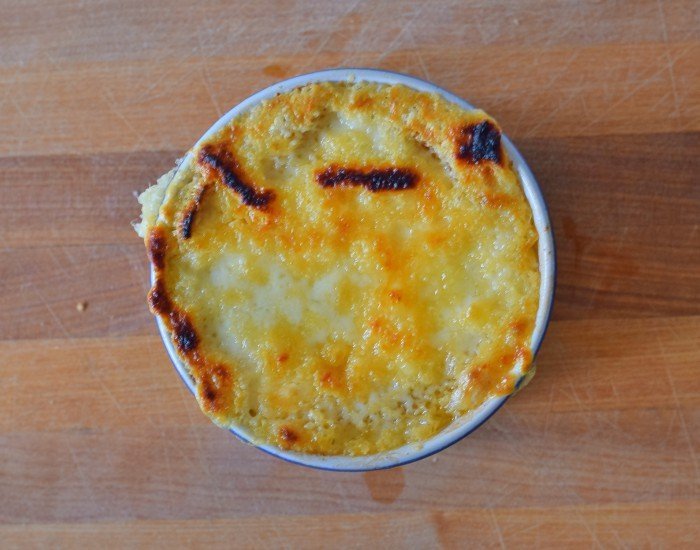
347,268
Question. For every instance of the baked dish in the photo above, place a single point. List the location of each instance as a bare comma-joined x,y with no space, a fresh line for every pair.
346,268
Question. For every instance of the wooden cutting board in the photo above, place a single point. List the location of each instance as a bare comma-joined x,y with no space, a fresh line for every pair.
100,443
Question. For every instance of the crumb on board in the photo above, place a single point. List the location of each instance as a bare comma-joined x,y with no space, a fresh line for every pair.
81,306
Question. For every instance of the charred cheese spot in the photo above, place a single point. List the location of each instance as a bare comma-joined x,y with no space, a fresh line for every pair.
158,298
184,334
208,393
214,388
378,179
156,247
348,284
222,163
480,142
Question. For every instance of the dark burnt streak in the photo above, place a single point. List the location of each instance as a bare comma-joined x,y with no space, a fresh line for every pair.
479,143
214,379
222,162
378,179
183,332
190,212
186,223
156,247
159,300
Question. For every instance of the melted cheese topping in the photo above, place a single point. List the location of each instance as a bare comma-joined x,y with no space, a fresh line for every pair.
337,319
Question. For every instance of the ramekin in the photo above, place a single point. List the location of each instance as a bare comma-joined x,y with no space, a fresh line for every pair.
465,425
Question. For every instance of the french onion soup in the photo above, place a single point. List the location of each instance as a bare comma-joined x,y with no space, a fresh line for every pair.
346,268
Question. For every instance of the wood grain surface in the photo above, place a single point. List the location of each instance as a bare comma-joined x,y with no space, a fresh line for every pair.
101,444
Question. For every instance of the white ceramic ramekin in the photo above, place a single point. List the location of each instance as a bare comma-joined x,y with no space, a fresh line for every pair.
462,426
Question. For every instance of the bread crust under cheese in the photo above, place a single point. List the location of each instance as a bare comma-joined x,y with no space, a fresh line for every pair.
346,268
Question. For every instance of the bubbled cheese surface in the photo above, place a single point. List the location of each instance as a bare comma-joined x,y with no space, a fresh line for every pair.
340,319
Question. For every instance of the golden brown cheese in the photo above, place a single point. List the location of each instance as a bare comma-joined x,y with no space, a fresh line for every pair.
346,268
